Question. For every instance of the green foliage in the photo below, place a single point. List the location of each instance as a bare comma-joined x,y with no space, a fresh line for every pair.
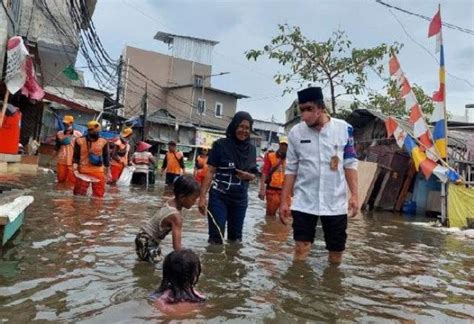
393,104
334,62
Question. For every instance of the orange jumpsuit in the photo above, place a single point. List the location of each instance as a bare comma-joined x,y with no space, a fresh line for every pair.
82,149
65,153
119,159
275,185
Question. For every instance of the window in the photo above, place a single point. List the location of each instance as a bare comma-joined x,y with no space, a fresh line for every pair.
219,110
198,81
201,106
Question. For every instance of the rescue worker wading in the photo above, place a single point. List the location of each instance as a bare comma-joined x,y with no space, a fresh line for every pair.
273,176
173,164
64,148
91,158
120,154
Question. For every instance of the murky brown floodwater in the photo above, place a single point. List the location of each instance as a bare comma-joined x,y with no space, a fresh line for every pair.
74,261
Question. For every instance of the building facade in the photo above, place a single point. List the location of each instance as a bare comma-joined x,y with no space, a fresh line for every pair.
179,83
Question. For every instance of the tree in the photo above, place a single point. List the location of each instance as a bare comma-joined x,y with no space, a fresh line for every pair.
393,104
335,62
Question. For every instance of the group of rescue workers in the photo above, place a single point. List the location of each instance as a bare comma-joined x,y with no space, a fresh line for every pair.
90,159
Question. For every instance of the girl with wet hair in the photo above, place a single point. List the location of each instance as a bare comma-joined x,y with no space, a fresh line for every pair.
181,271
168,220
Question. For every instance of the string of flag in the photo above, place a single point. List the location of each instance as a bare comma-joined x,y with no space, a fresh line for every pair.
420,159
420,127
439,97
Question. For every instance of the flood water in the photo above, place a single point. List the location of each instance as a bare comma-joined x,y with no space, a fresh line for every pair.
74,261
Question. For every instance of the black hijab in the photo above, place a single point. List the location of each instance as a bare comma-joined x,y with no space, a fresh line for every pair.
244,153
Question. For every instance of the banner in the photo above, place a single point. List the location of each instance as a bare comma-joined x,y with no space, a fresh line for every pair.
205,139
20,72
17,53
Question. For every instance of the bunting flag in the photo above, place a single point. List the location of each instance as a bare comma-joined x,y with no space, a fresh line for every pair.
420,127
439,97
420,159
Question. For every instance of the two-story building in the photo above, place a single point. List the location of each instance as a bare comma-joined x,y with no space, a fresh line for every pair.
181,103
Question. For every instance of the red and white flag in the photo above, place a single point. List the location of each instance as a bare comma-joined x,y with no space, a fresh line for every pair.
420,127
435,29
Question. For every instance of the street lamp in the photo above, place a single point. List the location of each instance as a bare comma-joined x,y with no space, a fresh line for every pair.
468,106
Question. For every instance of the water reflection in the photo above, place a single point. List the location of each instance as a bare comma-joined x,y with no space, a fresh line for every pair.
74,260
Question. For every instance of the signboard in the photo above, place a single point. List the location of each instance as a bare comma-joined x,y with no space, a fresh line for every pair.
205,139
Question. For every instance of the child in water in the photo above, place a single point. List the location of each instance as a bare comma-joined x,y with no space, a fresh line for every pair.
176,294
168,219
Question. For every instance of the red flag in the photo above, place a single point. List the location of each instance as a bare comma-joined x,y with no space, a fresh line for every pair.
393,65
435,25
406,88
439,95
391,125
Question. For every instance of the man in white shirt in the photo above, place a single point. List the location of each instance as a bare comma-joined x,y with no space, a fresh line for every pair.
321,163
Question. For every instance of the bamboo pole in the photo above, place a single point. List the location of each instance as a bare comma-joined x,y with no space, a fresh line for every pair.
4,108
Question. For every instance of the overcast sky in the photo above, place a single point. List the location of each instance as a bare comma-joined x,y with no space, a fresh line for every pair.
246,24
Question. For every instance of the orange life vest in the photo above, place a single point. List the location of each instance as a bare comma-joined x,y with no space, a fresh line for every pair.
279,175
120,147
172,165
66,152
91,147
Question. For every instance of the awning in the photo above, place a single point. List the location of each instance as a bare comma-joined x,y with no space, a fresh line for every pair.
68,103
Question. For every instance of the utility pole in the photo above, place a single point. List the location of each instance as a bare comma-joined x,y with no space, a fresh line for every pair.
204,103
204,77
117,95
145,111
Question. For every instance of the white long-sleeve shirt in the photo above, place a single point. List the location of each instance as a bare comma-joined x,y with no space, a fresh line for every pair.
319,190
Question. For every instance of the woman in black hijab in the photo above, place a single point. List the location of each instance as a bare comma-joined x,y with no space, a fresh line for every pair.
232,164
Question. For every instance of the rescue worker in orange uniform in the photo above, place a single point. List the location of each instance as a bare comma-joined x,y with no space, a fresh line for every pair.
120,154
64,148
273,175
200,168
91,158
173,164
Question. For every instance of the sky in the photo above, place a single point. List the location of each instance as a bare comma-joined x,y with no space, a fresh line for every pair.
245,24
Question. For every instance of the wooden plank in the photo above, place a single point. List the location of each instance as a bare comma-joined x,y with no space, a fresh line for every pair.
371,188
366,177
406,186
382,189
390,191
